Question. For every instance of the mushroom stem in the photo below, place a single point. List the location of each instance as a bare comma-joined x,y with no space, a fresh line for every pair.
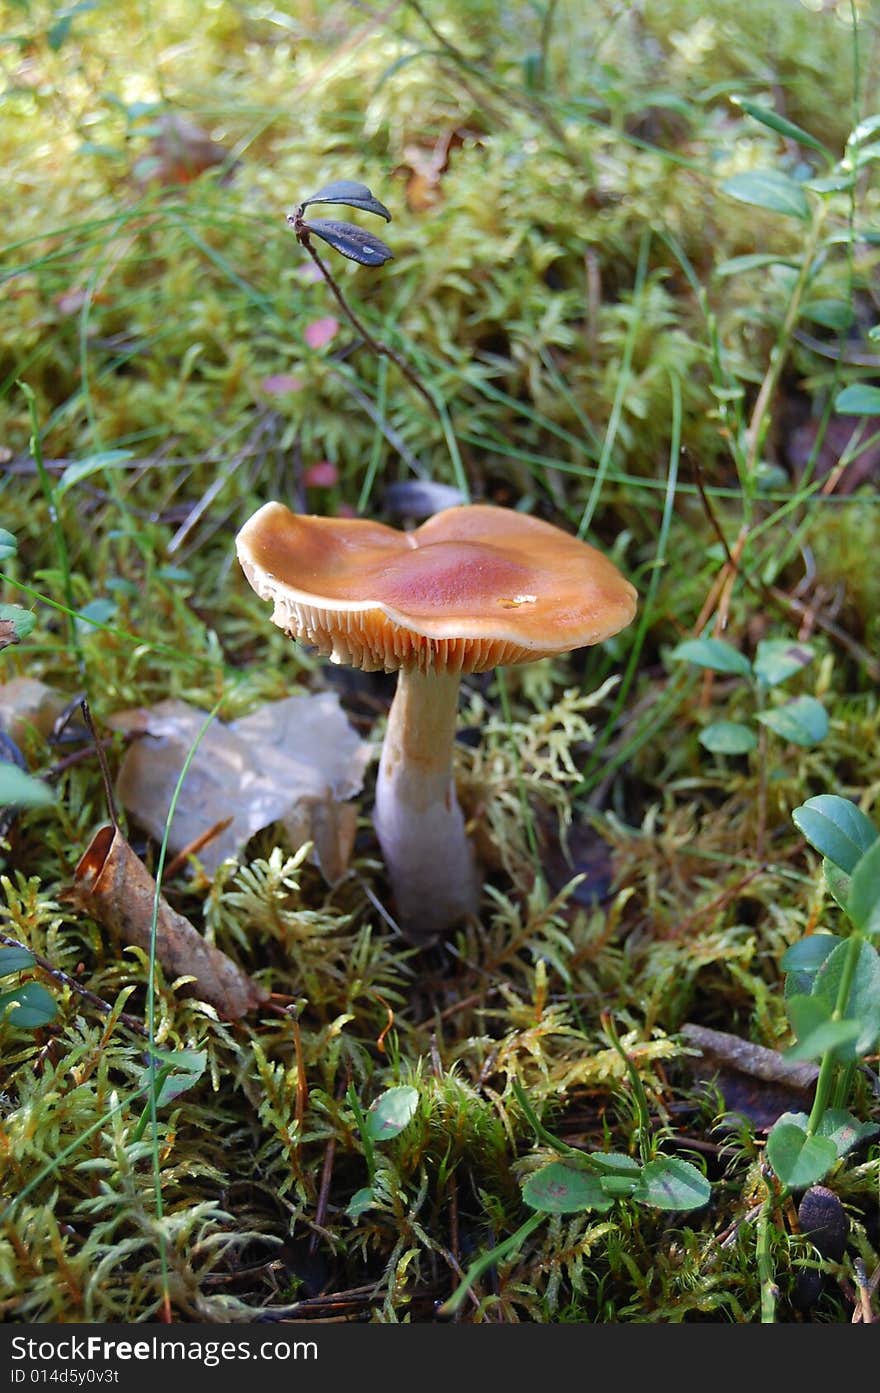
417,817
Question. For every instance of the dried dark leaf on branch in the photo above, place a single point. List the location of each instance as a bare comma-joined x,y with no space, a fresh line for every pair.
115,888
352,241
351,193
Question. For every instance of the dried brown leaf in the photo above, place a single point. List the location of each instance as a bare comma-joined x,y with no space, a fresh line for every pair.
116,889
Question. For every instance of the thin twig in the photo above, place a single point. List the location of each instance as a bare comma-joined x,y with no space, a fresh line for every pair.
64,977
381,349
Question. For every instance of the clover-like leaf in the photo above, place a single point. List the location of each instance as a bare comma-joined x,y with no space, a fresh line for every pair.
799,1160
670,1183
27,1007
391,1112
560,1189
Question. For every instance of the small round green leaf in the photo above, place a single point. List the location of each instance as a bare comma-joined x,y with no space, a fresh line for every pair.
27,1006
863,903
8,544
670,1183
803,721
714,654
864,995
560,1189
837,881
20,790
777,659
858,400
360,1201
797,1159
808,954
831,314
836,828
14,960
391,1112
15,624
728,738
771,189
844,1130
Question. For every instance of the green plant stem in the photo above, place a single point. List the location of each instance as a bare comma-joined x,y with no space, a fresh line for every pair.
769,1289
760,418
487,1260
61,550
637,1086
361,1121
828,1067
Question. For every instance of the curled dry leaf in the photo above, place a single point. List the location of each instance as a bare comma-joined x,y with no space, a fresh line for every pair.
115,888
293,761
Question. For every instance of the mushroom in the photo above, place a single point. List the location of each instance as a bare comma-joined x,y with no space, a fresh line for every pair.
472,588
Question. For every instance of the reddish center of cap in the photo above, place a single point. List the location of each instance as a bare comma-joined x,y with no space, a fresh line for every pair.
453,577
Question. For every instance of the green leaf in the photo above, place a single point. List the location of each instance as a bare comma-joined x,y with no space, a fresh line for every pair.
187,1067
8,544
98,611
752,261
836,828
831,183
844,1130
360,1201
615,1161
769,118
669,1183
15,624
797,1159
817,1033
864,129
858,400
863,904
560,1189
93,464
391,1112
837,881
728,738
831,314
27,1006
15,960
771,189
803,721
712,653
777,659
808,954
21,790
864,996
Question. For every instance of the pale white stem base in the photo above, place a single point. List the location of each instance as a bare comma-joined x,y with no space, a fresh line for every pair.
417,818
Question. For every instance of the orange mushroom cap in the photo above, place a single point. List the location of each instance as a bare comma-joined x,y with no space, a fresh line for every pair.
474,587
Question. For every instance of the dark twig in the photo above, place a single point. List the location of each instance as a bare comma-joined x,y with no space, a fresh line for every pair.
102,760
64,977
382,350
